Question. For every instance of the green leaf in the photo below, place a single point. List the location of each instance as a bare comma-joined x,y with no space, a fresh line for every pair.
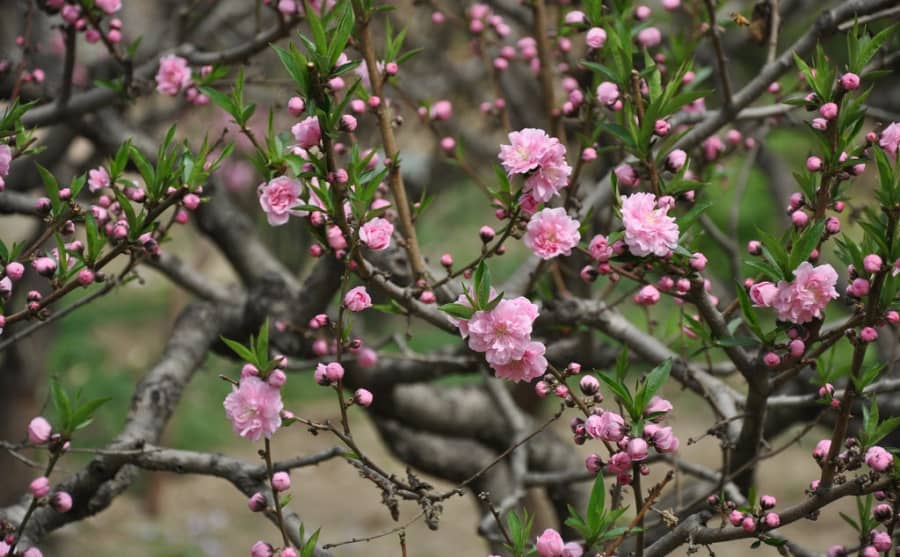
62,404
482,284
262,343
458,310
51,185
83,415
747,311
622,363
655,380
596,504
242,351
805,244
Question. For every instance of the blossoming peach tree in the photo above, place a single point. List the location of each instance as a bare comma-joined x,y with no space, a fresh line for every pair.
602,126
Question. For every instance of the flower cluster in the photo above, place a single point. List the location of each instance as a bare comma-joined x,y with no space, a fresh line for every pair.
503,334
751,520
801,300
631,444
541,159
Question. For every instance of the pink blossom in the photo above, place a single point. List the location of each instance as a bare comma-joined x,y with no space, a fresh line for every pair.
675,160
357,299
278,197
532,365
806,296
646,296
626,175
504,332
551,232
463,324
98,178
658,405
648,229
637,449
525,150
663,438
550,544
619,463
763,294
881,541
307,133
173,75
572,549
600,248
879,459
608,426
541,157
890,139
109,6
671,4
376,234
254,408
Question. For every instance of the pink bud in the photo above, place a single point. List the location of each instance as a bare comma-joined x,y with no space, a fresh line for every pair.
334,371
735,517
859,287
698,261
771,359
85,277
797,348
868,334
363,397
772,520
892,317
595,37
748,524
829,111
486,233
588,154
281,481
872,263
61,502
277,379
261,548
448,144
427,297
39,430
542,389
799,218
257,502
39,487
850,81
813,164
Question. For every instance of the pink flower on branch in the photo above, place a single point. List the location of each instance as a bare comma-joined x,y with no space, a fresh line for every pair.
254,408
